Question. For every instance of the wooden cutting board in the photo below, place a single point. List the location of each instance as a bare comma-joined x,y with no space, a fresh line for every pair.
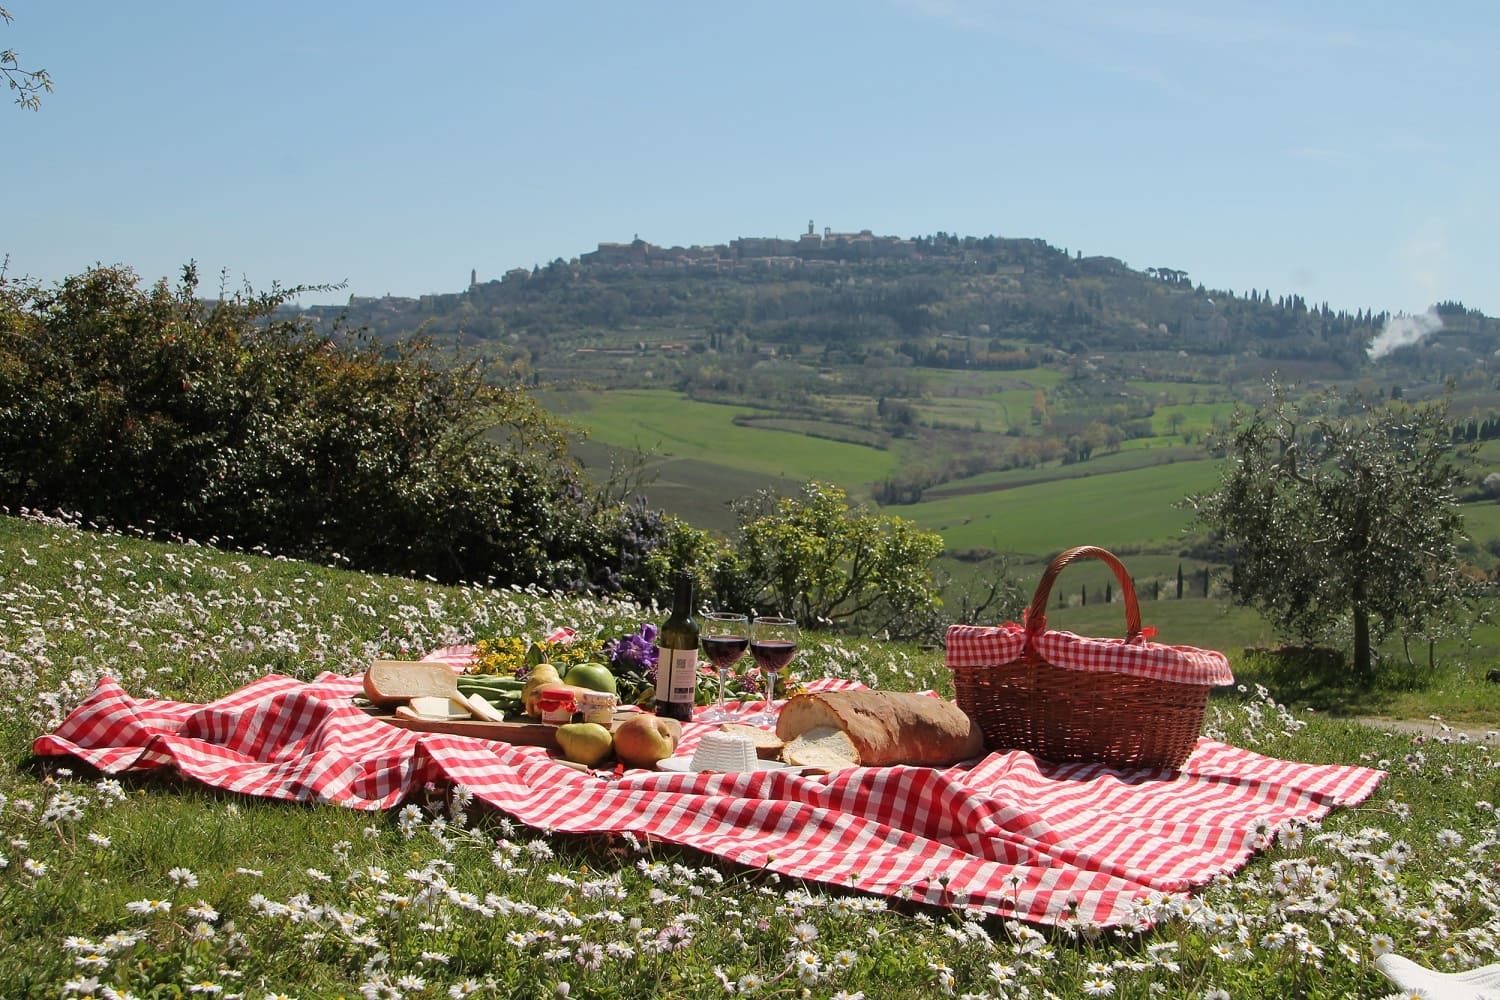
521,732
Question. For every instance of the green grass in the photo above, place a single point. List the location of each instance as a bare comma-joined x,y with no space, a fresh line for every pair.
691,489
1116,510
665,424
1124,460
256,899
1192,417
829,429
1482,521
947,381
989,415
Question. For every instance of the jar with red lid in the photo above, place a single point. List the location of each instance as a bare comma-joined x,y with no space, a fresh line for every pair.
557,704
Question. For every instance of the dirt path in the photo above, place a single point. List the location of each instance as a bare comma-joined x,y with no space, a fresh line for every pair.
1433,729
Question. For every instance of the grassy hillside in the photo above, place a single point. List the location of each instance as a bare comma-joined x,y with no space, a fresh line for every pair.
696,457
152,886
1116,510
663,424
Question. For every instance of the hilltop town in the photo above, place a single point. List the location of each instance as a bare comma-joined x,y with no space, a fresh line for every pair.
809,248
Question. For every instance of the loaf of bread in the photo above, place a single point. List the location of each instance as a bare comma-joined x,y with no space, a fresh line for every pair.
884,727
390,681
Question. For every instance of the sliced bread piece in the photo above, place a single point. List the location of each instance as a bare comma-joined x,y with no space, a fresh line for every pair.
826,747
389,682
768,746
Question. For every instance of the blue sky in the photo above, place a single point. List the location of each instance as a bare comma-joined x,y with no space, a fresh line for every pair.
1345,151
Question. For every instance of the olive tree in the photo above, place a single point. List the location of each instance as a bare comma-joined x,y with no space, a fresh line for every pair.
1340,514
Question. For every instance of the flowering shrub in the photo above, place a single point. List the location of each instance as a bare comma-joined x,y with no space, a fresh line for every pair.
226,420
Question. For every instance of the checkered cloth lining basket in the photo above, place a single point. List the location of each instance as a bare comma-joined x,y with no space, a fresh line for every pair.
1123,702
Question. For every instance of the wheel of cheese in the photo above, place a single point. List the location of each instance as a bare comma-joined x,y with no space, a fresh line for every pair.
391,681
886,727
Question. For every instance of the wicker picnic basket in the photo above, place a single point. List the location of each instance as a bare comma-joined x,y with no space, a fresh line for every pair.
1123,702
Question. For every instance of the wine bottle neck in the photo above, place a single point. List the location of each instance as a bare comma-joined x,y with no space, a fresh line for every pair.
682,596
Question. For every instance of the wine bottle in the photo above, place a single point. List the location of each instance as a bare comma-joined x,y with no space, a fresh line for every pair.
677,655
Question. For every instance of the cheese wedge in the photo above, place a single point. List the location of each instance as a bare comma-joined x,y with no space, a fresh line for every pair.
430,709
435,707
388,682
482,709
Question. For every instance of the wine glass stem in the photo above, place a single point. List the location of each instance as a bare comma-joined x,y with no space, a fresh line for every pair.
770,679
723,678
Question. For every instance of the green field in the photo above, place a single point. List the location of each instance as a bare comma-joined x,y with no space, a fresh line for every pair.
664,424
1193,417
1155,451
695,458
949,382
1482,521
987,414
1130,508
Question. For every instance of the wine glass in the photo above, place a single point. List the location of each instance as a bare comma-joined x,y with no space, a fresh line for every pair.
725,637
773,643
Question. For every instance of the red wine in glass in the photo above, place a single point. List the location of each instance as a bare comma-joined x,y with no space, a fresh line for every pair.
723,636
773,654
773,643
725,651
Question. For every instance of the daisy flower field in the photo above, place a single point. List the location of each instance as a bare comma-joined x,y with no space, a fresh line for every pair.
154,886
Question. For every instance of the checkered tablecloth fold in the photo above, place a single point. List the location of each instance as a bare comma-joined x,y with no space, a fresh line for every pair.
1009,835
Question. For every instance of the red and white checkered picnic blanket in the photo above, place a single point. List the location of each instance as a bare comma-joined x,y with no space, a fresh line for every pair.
1008,835
987,645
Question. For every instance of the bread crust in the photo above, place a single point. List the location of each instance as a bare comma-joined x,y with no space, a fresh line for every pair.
888,727
768,745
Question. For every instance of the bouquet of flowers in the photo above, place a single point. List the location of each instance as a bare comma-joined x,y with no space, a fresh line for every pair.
631,658
513,656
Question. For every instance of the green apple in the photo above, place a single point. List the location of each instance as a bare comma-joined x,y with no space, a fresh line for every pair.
594,676
585,742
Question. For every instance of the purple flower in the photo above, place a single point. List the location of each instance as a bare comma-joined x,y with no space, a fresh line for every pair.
634,652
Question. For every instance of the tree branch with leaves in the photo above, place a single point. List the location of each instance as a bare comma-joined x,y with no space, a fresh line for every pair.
28,85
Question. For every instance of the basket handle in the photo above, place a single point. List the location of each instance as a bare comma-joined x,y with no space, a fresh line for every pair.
1036,614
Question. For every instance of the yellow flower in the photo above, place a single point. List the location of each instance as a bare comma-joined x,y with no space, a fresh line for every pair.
513,656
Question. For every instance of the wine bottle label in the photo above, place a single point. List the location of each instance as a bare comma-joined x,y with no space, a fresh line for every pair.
677,674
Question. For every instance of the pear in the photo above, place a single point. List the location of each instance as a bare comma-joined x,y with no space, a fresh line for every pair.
584,742
542,674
